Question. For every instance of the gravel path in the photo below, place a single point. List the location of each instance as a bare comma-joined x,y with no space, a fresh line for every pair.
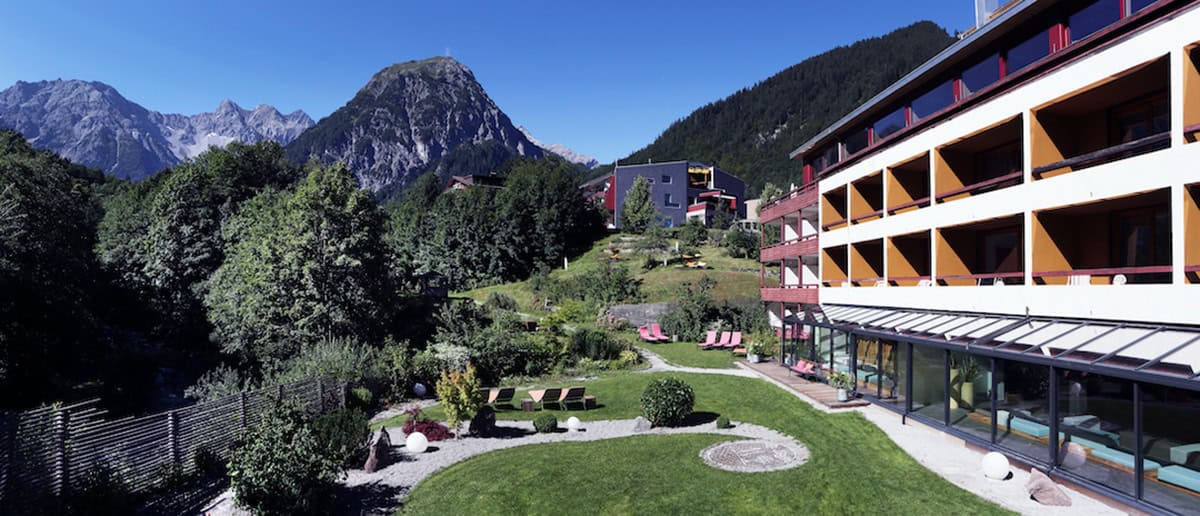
383,491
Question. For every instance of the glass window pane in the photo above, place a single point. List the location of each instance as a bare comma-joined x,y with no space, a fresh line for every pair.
981,75
1023,409
1137,5
1171,439
933,101
1093,17
856,142
893,372
929,382
889,124
866,358
970,394
1027,52
1095,418
841,352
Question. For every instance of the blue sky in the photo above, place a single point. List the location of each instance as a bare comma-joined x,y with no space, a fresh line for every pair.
604,78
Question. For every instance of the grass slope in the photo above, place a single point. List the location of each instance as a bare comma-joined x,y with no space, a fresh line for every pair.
688,354
854,468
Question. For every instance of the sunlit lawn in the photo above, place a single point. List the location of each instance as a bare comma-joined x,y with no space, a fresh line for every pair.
854,467
689,354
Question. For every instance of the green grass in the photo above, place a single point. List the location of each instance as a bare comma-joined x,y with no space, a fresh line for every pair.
854,468
688,354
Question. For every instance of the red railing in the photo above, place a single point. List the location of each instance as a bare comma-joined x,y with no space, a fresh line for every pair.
1146,144
790,249
1109,271
866,280
791,294
876,213
1191,131
893,209
1191,268
797,192
909,278
825,227
979,186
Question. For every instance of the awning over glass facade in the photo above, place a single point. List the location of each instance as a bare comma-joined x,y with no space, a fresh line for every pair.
1129,348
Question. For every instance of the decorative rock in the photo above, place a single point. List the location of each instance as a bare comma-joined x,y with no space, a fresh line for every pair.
1073,455
484,422
380,456
641,425
753,456
419,390
995,466
1045,491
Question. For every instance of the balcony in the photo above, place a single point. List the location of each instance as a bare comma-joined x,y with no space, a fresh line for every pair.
866,198
790,249
1191,228
805,294
1120,117
908,185
989,252
988,160
908,259
834,265
790,202
1114,241
833,209
1191,93
866,263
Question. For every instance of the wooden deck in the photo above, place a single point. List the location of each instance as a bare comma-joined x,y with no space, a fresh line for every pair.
820,392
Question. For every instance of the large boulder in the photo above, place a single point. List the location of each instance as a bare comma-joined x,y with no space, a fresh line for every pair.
484,422
381,449
1073,455
1045,491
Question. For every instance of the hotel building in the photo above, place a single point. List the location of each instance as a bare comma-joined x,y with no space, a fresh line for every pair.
1005,244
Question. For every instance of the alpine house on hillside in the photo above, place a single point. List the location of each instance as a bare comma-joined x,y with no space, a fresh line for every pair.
1005,244
680,190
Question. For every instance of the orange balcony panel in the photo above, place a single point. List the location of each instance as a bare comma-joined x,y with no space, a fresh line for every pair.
793,249
790,202
806,295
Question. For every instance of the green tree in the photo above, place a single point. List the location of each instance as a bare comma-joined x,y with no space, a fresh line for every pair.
301,266
769,193
638,211
460,396
280,467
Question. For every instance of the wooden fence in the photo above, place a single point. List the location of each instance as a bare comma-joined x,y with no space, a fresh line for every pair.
44,451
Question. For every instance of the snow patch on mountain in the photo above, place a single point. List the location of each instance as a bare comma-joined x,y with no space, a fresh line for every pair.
562,150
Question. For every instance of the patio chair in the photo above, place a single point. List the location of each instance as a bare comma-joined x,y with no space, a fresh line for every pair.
736,342
709,341
573,395
656,332
543,396
644,332
725,338
501,395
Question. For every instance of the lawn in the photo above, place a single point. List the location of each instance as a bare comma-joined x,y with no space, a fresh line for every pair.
854,468
688,354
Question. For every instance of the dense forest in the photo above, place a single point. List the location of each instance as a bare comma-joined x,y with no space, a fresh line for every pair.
751,132
241,266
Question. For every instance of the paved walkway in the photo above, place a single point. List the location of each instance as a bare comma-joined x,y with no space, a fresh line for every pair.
658,365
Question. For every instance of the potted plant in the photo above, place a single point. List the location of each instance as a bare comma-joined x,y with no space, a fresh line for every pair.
843,382
756,350
963,373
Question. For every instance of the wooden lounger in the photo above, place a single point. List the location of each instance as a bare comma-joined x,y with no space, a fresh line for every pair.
573,395
543,396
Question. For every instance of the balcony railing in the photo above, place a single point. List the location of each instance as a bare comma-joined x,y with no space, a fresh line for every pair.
808,190
1104,155
789,249
979,186
893,209
791,294
980,277
1109,272
1191,132
895,280
876,213
825,227
869,281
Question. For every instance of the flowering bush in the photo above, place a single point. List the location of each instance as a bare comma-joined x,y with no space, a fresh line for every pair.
417,422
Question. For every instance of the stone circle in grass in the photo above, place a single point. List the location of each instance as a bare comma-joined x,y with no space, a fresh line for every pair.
754,456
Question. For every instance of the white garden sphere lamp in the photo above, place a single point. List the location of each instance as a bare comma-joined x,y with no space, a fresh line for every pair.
416,442
995,466
573,424
419,390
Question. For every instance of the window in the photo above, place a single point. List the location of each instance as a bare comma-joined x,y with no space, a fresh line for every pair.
1137,5
1170,423
970,394
981,75
1096,413
1027,52
889,124
1091,19
935,100
1000,251
1142,237
856,142
999,161
929,382
668,202
825,159
1139,119
1023,409
666,180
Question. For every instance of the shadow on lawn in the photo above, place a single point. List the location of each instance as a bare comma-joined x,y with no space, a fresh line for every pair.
373,498
700,418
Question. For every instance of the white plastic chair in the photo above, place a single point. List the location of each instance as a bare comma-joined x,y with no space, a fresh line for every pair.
1119,279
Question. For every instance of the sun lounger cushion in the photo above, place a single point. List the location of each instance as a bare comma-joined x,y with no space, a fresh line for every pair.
1087,443
1123,459
1180,476
1029,427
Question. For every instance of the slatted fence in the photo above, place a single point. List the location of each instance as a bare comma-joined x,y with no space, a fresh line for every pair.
44,451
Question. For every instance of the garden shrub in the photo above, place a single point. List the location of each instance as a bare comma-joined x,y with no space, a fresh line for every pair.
208,463
500,301
345,435
595,344
740,244
280,467
723,422
432,430
361,397
397,365
605,285
667,401
484,422
217,383
693,233
425,367
100,491
611,323
571,310
689,315
627,359
545,423
460,395
342,359
748,317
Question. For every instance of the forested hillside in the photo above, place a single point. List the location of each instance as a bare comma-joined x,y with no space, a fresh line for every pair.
751,132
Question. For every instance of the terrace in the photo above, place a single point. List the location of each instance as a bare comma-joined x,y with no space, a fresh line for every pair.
1191,227
982,162
908,185
909,259
1191,94
866,199
833,208
982,253
835,266
866,263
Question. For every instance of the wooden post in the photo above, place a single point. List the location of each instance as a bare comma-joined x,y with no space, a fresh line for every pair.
173,437
320,396
242,408
61,472
342,395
